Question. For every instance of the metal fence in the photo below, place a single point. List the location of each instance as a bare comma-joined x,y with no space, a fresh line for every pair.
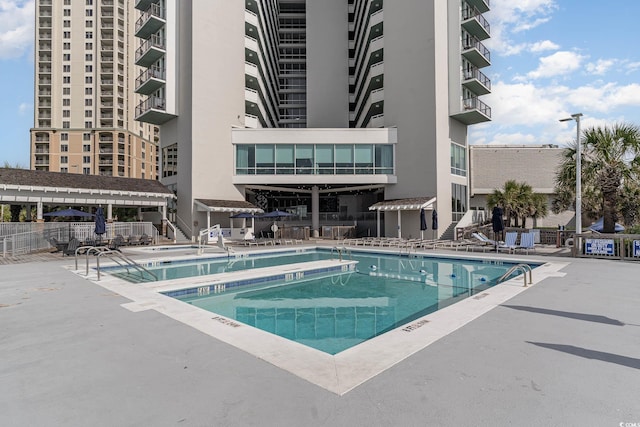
24,238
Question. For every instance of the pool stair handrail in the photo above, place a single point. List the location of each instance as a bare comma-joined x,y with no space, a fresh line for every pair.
340,250
204,233
115,255
524,268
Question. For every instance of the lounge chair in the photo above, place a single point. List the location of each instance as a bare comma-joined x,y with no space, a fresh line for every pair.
71,247
509,244
116,242
527,242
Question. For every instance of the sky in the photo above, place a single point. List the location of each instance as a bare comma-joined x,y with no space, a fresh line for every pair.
549,59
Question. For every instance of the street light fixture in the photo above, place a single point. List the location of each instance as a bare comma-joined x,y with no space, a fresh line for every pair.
576,117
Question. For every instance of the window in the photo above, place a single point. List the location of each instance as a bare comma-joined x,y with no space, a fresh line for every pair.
66,57
66,113
67,12
89,2
88,68
65,125
88,113
384,159
67,2
64,170
66,23
86,137
304,159
66,46
265,159
86,148
66,68
88,124
88,57
324,159
89,12
458,160
88,23
86,159
88,80
245,160
66,34
344,159
284,159
88,46
66,102
88,35
88,91
66,91
64,148
64,159
88,102
86,171
66,79
458,201
363,155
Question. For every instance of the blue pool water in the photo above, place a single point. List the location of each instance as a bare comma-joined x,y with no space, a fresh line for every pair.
334,312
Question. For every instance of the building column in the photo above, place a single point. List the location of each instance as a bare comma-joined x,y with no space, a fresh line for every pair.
378,223
399,223
109,212
39,217
315,211
28,214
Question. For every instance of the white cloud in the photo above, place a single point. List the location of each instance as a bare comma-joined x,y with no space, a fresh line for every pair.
24,108
16,27
543,46
558,63
601,66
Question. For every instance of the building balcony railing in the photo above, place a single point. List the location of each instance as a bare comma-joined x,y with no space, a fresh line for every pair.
475,23
475,52
151,21
482,5
149,81
476,81
153,110
473,111
150,51
144,4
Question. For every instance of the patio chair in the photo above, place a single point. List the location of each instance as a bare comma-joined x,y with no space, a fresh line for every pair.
509,244
527,242
145,240
71,247
116,242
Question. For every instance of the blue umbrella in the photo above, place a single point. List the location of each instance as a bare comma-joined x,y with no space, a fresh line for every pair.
276,214
598,226
101,226
434,222
243,215
69,212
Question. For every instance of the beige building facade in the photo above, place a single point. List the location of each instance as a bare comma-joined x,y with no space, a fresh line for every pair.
84,97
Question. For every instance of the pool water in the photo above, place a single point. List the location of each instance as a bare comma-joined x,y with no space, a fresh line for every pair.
335,312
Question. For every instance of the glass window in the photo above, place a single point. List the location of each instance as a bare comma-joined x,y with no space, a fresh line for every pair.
284,159
265,159
304,159
324,159
344,159
458,201
364,159
458,160
384,159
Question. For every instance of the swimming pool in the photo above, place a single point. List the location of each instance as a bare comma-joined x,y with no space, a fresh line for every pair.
334,310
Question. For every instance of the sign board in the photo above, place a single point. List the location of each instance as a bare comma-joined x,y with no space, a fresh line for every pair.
599,247
636,248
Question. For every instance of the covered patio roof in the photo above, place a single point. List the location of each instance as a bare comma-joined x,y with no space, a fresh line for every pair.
410,204
211,205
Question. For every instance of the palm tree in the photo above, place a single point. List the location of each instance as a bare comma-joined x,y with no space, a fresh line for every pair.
518,202
610,164
505,198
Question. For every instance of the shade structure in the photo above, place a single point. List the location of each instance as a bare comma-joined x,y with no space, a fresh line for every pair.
598,226
69,212
276,214
101,226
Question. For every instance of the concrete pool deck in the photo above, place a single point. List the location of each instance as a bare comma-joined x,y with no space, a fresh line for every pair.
566,351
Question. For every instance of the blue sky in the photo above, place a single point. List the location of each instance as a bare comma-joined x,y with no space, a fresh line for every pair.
550,58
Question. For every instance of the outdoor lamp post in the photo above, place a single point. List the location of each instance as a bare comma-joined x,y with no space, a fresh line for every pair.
576,117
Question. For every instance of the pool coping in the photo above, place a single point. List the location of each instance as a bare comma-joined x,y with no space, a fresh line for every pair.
345,371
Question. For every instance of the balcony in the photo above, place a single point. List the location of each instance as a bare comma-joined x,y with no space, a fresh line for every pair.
475,23
144,4
473,111
150,81
150,51
475,52
150,22
482,5
476,81
153,110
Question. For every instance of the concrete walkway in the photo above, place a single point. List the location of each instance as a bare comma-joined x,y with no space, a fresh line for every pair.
566,352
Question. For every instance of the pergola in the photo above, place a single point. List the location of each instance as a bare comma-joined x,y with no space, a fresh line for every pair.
399,205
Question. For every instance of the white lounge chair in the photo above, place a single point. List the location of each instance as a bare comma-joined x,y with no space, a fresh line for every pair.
527,242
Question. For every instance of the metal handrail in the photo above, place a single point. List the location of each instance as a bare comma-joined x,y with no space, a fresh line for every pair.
115,255
522,267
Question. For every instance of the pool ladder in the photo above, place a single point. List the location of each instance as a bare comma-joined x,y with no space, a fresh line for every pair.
340,250
116,256
524,268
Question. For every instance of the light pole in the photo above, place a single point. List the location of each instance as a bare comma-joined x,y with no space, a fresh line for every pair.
576,117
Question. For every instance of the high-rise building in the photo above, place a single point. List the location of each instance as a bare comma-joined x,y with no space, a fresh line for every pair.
321,108
84,100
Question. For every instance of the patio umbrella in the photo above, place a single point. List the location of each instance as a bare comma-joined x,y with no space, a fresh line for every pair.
423,223
434,222
275,215
69,212
243,215
497,223
598,226
101,226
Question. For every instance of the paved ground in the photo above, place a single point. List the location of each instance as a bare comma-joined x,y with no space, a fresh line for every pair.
566,352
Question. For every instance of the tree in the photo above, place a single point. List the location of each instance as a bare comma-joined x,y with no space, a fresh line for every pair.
610,168
518,202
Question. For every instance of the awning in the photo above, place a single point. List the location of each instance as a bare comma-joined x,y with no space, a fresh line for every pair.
411,204
210,205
